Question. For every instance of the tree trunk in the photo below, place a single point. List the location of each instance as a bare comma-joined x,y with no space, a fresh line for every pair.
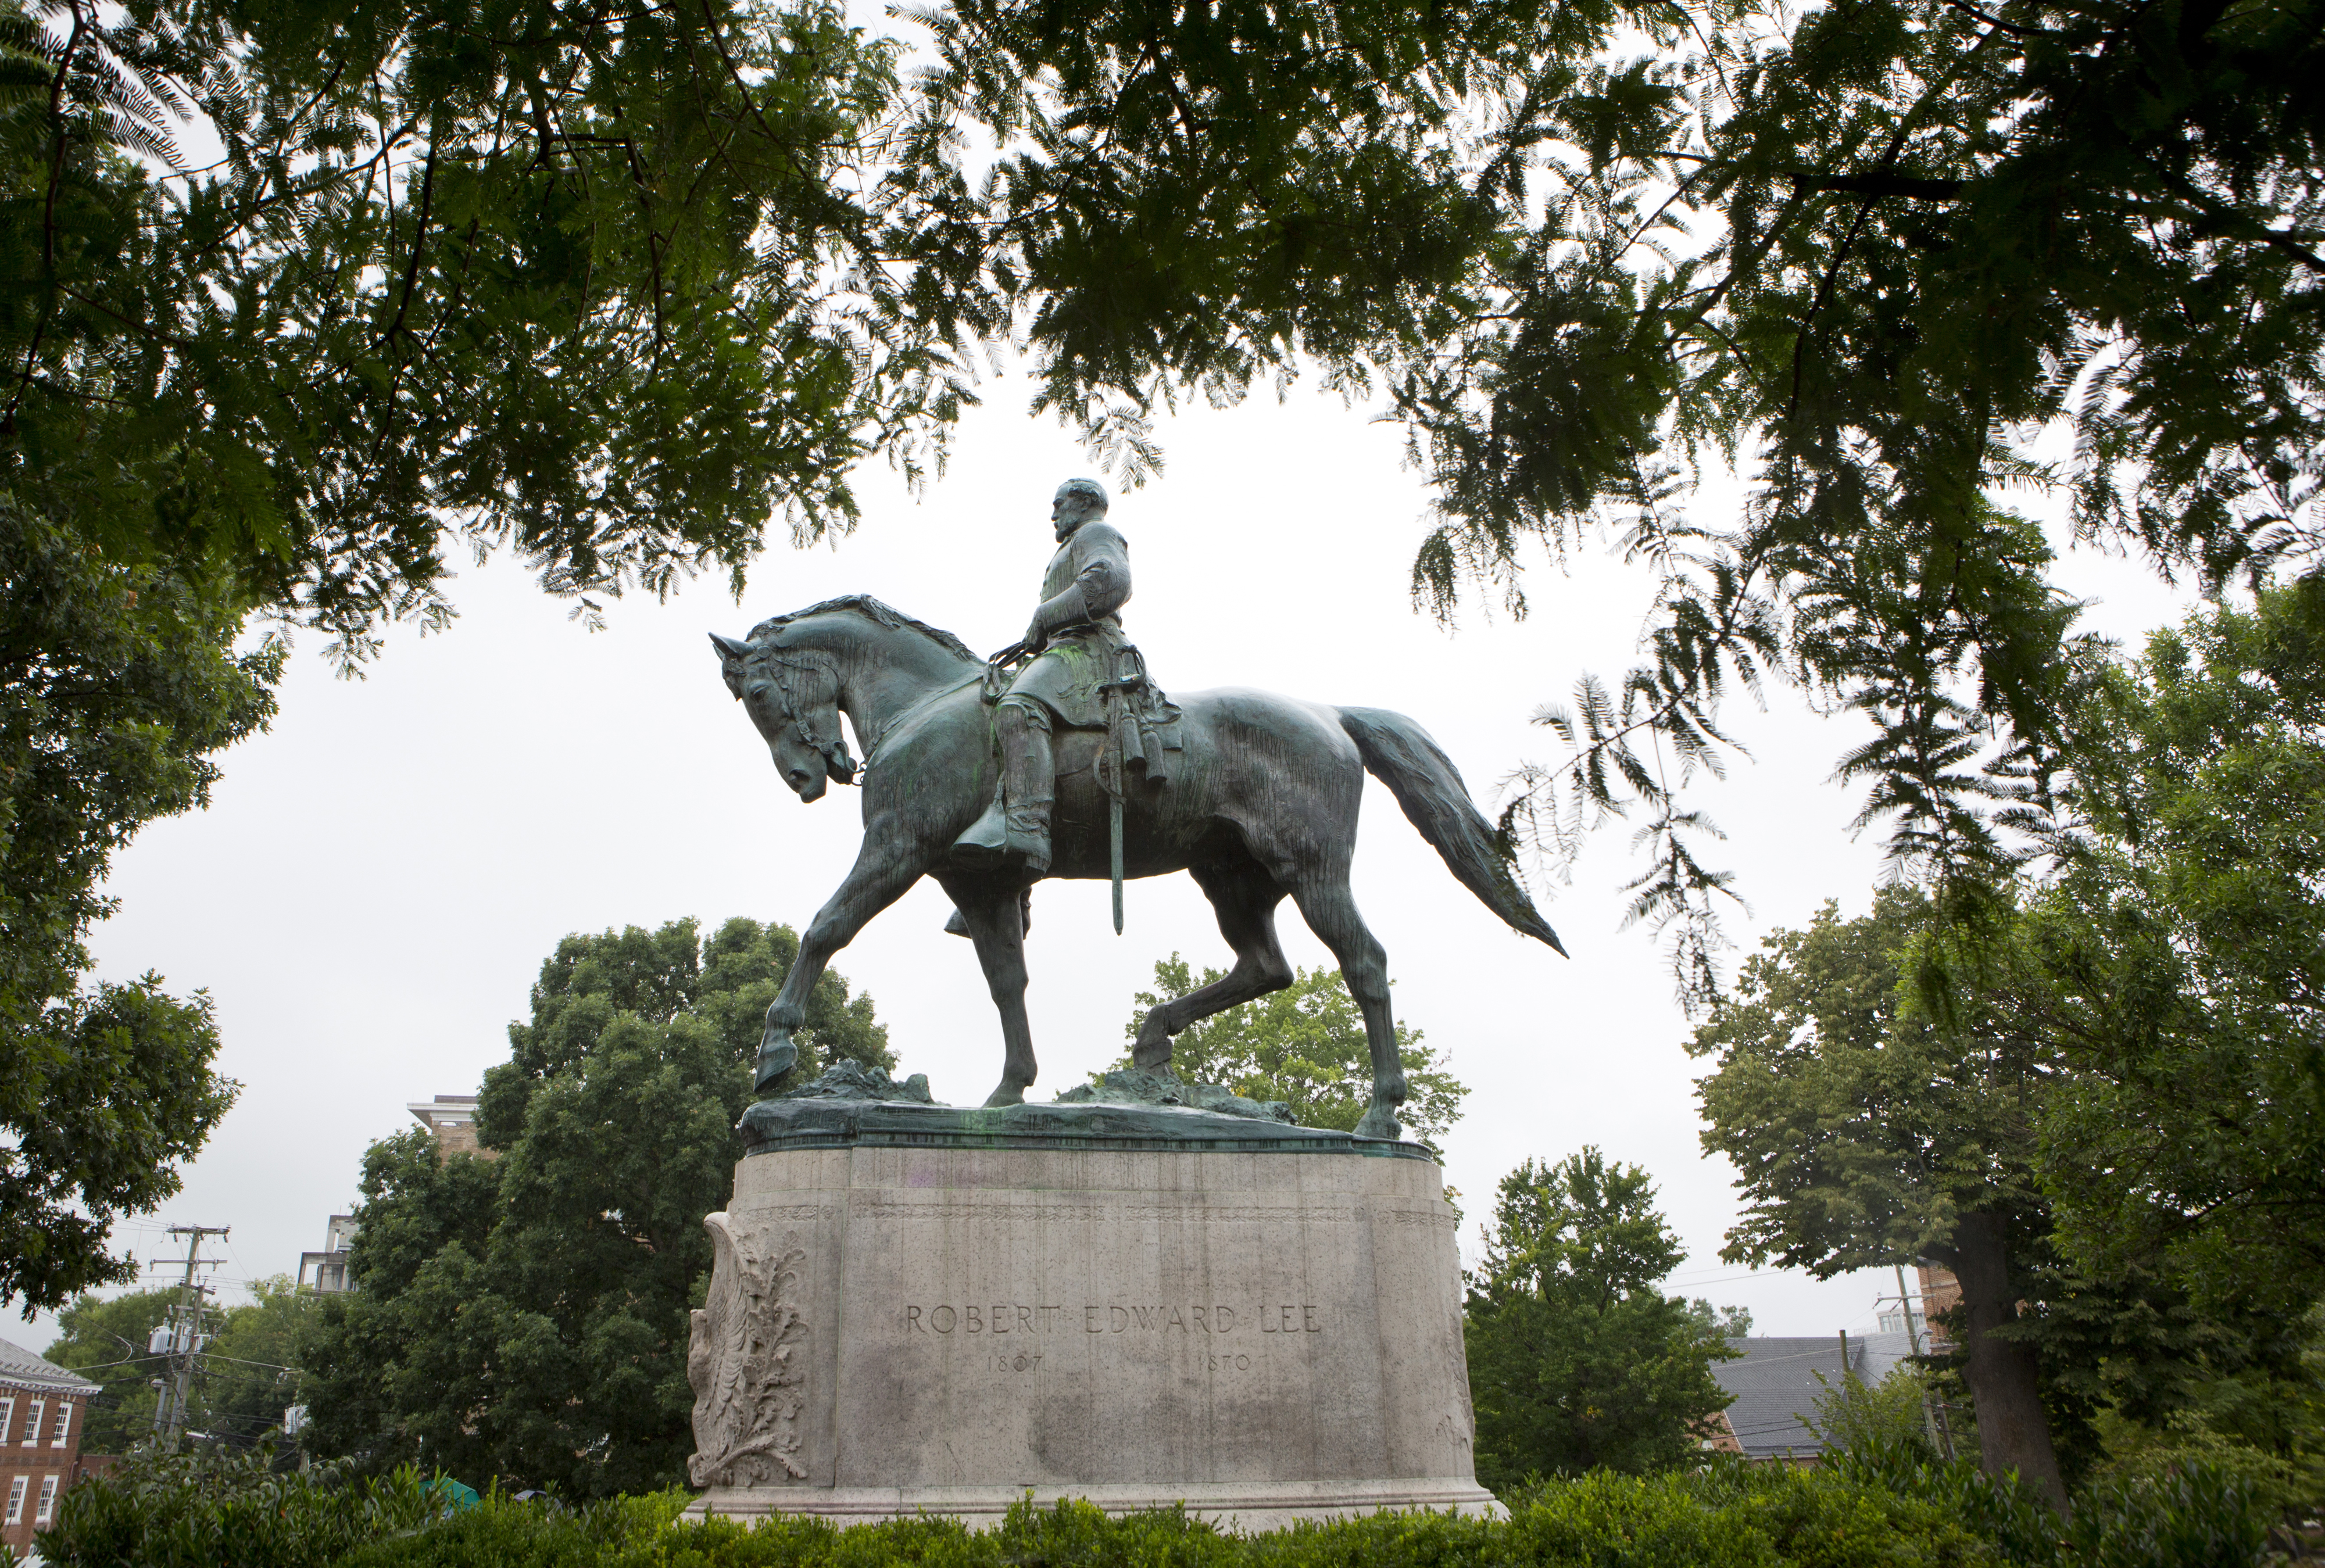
2004,1376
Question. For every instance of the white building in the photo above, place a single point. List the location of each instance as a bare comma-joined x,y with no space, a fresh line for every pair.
327,1270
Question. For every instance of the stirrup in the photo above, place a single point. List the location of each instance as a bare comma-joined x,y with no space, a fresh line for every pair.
1000,839
986,846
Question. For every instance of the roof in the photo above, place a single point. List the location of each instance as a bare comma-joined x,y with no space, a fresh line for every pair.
452,1110
21,1368
1778,1381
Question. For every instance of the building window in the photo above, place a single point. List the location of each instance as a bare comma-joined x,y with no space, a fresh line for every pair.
7,1411
16,1499
64,1423
48,1500
38,1408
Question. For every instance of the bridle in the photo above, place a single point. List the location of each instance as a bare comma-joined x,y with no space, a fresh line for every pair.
837,763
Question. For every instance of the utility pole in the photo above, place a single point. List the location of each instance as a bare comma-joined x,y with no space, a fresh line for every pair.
181,1338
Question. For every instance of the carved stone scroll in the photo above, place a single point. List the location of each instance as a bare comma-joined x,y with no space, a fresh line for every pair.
747,1363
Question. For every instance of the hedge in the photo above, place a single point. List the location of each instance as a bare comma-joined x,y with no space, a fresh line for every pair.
208,1508
1782,1519
1864,1512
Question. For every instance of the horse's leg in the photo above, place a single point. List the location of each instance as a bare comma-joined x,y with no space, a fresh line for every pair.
1244,898
993,912
885,866
1325,902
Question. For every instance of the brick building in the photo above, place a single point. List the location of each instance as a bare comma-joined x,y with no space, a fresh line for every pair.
41,1410
1940,1294
452,1118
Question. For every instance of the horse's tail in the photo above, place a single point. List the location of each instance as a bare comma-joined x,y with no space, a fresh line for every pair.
1400,754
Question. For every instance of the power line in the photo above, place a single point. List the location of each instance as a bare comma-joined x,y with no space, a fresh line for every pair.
237,1361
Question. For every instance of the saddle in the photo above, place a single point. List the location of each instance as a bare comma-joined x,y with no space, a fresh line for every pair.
1142,724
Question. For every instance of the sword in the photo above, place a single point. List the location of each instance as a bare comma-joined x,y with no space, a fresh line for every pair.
1110,778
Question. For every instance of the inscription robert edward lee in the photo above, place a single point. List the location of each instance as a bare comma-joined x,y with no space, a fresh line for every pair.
1026,1318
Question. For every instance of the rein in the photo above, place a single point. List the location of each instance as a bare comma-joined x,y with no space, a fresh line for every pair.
873,752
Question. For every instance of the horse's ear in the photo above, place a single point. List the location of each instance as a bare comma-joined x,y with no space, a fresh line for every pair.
732,653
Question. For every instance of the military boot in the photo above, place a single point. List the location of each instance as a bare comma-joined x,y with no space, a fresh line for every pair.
1014,831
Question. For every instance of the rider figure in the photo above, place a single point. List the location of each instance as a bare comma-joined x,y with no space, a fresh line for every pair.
1075,638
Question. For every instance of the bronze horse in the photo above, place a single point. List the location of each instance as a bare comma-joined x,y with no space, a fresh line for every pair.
1261,802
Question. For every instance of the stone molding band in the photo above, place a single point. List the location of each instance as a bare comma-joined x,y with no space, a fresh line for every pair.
1102,1214
1243,1506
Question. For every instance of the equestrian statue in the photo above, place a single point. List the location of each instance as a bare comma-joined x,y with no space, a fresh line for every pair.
1058,757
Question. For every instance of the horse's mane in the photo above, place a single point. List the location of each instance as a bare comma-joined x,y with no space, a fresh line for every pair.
874,611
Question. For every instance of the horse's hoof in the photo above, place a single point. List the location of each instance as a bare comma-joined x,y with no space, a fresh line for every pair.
1380,1121
1007,1094
777,1056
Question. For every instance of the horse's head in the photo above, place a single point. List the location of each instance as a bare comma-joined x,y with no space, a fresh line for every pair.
792,695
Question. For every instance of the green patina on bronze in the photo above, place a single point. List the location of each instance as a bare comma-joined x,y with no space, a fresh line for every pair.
989,775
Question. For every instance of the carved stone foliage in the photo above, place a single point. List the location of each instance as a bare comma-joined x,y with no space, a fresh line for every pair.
747,1363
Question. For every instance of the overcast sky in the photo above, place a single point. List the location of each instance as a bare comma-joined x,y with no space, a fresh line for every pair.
373,890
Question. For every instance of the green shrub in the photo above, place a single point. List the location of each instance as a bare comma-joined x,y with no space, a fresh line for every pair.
202,1507
2194,1515
1876,1505
500,1532
1892,1413
2185,1515
2010,1515
1746,1516
1766,1520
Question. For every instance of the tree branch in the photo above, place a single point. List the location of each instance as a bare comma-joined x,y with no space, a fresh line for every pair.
1876,185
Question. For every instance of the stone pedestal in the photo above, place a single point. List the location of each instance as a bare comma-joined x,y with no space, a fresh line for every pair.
944,1318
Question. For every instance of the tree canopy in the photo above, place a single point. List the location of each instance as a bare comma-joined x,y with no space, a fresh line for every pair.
299,302
105,1340
1863,1133
2094,1097
521,1314
1576,1359
1305,1046
117,685
243,1383
601,286
608,287
1863,251
2175,963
